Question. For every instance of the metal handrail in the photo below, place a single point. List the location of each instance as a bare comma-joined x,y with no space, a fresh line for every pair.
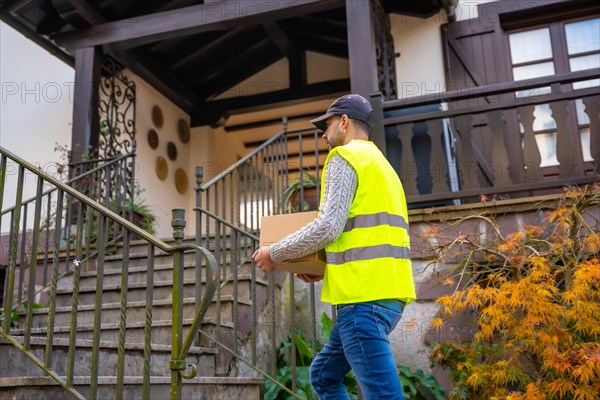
228,207
180,348
227,279
229,225
72,180
89,202
249,156
242,160
112,162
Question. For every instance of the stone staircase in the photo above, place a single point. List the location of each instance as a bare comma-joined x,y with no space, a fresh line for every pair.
20,378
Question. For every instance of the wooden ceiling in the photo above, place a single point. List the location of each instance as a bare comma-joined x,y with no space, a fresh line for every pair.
192,51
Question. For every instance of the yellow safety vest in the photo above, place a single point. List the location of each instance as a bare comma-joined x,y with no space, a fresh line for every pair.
370,260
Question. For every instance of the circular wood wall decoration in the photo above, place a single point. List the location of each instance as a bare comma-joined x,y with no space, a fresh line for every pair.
183,131
161,168
152,139
157,117
181,180
172,151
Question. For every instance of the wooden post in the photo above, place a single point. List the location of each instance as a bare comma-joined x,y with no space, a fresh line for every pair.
378,133
86,117
363,62
361,48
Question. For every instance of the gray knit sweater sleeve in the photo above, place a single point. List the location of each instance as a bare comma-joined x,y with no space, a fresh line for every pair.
340,187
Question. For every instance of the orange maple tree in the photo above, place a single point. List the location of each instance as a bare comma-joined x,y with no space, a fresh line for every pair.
536,299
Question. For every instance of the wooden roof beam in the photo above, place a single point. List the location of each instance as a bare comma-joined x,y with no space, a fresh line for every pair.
296,58
78,13
211,111
138,31
136,59
225,75
202,51
159,77
15,5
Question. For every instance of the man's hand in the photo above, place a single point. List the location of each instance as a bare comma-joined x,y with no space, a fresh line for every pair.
263,260
309,278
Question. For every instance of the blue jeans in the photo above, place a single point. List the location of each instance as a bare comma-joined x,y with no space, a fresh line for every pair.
359,341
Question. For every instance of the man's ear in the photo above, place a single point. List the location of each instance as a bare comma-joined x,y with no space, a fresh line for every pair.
344,120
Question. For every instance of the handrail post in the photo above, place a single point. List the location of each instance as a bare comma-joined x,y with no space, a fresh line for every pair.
198,238
177,365
284,123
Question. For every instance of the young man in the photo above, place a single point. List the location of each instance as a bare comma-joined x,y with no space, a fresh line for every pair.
363,226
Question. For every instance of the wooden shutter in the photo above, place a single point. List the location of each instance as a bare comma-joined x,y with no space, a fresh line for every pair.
476,54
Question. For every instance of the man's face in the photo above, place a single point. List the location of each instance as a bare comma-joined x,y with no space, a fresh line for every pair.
332,134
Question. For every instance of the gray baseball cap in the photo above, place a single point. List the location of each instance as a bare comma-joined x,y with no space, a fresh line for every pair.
353,105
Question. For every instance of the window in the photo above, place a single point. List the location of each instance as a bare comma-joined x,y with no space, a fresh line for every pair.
583,48
536,53
532,57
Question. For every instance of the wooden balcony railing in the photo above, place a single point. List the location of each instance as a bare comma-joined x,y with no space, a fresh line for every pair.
502,139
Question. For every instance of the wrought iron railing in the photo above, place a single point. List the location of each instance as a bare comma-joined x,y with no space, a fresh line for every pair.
74,254
229,207
254,186
108,181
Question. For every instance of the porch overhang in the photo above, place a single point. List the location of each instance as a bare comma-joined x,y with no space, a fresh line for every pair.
192,53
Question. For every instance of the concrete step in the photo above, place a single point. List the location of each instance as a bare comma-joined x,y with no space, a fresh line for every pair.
199,388
137,274
160,333
163,290
136,312
14,363
137,246
113,259
140,260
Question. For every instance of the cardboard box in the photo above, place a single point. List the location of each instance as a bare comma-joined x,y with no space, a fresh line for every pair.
275,227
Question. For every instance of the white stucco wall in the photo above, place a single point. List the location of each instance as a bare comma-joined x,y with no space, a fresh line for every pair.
420,66
160,195
274,77
35,109
323,67
214,149
467,9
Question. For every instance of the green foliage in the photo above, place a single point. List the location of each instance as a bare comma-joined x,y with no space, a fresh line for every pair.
415,384
15,316
147,219
306,180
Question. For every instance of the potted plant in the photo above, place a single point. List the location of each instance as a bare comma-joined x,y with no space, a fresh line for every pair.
301,194
140,212
142,215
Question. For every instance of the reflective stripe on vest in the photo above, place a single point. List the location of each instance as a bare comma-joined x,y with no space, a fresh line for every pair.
368,221
368,253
